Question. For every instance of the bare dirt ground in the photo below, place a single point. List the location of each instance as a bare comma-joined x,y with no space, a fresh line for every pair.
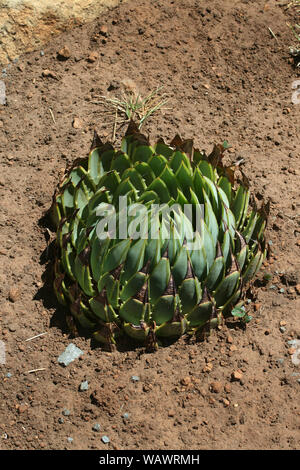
226,77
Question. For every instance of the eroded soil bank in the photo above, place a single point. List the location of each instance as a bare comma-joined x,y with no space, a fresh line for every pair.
26,25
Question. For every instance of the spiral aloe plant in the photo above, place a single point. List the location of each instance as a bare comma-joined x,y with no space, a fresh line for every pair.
170,274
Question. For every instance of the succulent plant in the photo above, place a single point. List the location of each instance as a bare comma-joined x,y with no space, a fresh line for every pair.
184,275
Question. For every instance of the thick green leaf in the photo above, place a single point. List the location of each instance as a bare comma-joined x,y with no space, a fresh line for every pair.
185,179
133,286
132,311
216,273
225,185
171,329
160,188
164,309
157,163
226,289
253,267
190,294
116,255
159,279
142,153
121,162
206,170
200,314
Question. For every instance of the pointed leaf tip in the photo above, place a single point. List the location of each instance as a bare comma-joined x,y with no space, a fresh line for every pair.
97,142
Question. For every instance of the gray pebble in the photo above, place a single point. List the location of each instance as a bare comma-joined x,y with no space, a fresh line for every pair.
66,412
282,329
70,354
135,378
84,386
61,420
126,415
70,439
96,427
105,439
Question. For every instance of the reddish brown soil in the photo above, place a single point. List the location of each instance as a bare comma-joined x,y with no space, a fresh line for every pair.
226,78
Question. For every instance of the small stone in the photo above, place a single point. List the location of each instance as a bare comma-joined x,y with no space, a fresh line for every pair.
61,420
105,439
185,381
225,401
12,327
282,323
96,427
147,387
229,339
297,288
282,329
126,416
216,387
233,348
42,53
103,30
135,378
171,414
70,354
14,294
64,53
22,408
93,57
291,351
66,412
70,439
8,375
227,388
208,367
49,73
84,386
77,123
237,375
